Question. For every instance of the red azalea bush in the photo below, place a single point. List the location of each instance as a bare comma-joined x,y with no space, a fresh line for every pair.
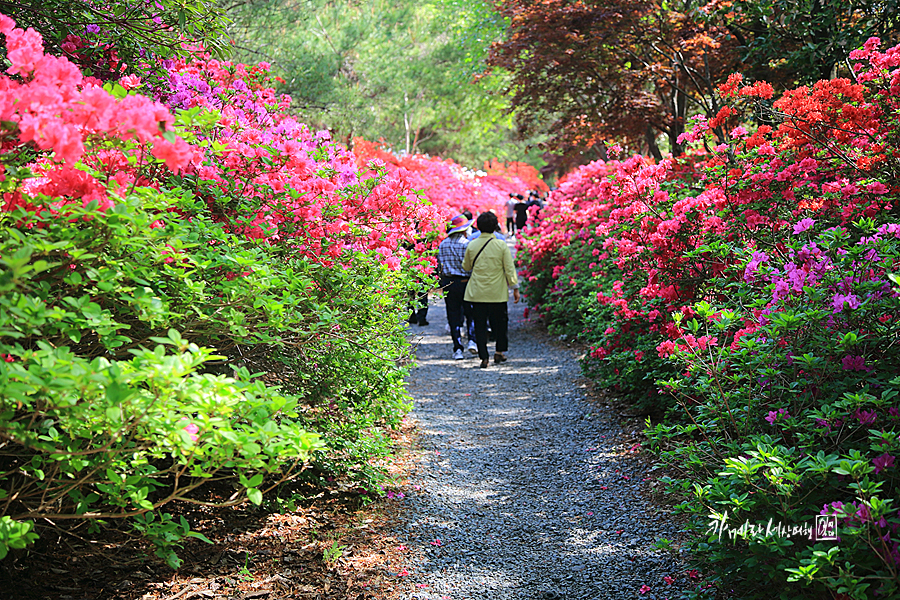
578,263
152,257
747,295
517,172
451,187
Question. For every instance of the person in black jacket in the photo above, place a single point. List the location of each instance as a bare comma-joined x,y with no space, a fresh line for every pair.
521,208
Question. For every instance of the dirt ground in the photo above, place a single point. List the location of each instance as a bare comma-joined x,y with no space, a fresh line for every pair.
333,545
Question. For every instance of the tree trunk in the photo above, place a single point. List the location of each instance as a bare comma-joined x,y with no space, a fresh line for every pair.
677,127
406,118
820,18
652,146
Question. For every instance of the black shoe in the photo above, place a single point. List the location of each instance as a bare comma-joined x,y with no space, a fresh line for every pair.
484,364
499,358
423,323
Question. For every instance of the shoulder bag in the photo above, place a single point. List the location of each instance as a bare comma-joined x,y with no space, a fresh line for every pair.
474,260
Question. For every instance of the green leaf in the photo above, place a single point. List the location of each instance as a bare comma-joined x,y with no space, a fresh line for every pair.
199,536
114,413
255,496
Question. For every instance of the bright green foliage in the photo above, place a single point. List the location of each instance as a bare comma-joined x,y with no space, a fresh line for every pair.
109,412
15,534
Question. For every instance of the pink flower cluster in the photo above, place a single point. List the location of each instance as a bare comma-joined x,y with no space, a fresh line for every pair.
304,186
52,106
450,186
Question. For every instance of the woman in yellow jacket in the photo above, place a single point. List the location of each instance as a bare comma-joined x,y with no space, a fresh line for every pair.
493,273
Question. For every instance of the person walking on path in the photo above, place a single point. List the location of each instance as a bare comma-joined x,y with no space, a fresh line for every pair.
493,273
511,213
451,253
474,235
418,301
521,207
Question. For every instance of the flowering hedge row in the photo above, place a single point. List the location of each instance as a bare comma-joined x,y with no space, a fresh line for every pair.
744,298
195,288
452,187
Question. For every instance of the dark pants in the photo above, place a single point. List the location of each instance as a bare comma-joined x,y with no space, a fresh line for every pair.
511,225
521,219
458,310
495,313
420,312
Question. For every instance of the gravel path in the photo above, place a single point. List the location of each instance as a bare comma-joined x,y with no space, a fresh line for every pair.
525,489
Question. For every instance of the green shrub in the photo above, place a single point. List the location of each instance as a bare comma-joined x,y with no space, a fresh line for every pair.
796,420
129,337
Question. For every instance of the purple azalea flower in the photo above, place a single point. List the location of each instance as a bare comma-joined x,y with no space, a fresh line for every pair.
885,461
753,266
853,363
865,417
830,509
781,290
862,512
802,225
774,415
841,300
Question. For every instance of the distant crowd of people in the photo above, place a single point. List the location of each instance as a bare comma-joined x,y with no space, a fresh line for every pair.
517,210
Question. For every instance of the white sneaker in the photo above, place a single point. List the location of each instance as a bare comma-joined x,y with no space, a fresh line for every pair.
473,347
458,355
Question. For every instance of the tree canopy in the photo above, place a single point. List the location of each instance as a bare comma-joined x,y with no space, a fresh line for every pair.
397,71
802,41
599,70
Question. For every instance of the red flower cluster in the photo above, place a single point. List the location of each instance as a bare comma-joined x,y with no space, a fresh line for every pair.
450,186
51,106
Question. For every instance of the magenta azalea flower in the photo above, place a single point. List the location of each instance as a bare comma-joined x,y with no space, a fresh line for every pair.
753,266
853,363
885,461
840,300
830,509
865,417
781,413
802,225
192,431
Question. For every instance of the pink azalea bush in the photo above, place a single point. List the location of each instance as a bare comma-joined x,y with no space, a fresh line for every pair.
449,187
156,253
745,299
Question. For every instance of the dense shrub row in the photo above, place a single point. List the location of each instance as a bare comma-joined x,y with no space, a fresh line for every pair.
743,297
194,288
446,184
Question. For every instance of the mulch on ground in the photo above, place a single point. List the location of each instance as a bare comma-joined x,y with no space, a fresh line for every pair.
255,553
